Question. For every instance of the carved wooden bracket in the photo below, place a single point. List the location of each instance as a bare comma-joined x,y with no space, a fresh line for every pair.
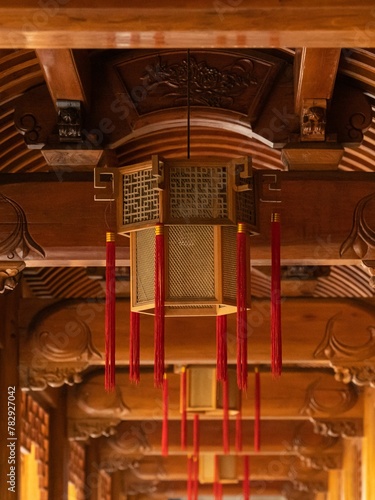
322,461
325,395
82,430
362,375
57,349
361,240
18,243
336,351
338,428
10,274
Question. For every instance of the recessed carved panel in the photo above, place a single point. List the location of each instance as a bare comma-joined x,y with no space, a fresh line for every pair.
237,81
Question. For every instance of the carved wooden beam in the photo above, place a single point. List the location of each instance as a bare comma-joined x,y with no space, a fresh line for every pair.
294,396
66,73
65,24
73,232
315,74
66,338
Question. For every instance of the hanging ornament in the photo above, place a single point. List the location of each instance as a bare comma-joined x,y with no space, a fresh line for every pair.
257,411
159,306
238,446
164,439
246,478
242,259
225,390
183,408
221,348
134,348
110,312
276,341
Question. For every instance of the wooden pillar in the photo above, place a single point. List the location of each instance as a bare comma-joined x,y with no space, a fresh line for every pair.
334,485
116,486
368,448
59,450
92,483
351,484
10,474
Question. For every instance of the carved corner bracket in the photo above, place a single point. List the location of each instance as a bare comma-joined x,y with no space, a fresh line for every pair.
361,240
83,429
361,375
338,428
52,376
10,274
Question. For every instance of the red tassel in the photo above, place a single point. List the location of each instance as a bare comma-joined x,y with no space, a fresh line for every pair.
221,348
239,432
276,342
225,416
159,306
241,308
196,435
134,348
190,480
110,312
195,477
246,477
183,409
257,411
218,487
164,434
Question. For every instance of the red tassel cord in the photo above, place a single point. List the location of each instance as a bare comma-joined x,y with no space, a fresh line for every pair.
196,435
110,312
164,433
134,348
221,348
159,306
183,408
225,390
276,341
239,432
190,467
241,308
246,478
195,477
218,487
257,411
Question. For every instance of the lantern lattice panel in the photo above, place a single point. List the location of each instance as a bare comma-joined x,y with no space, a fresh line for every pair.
198,193
140,200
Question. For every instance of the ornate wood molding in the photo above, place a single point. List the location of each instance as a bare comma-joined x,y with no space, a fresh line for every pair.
341,397
10,274
322,461
361,240
332,348
82,430
338,428
19,243
38,379
361,375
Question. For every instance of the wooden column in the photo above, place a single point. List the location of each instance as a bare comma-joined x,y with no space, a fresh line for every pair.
59,451
92,483
334,484
368,450
351,485
10,474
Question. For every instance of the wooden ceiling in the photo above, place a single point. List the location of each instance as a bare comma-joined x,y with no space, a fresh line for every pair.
317,404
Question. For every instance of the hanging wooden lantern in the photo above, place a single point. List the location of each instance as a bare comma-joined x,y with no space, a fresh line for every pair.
226,469
205,394
199,202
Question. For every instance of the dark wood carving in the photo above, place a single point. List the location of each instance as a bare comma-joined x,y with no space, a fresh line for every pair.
19,243
361,240
10,274
237,81
332,348
329,396
69,120
361,374
338,428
